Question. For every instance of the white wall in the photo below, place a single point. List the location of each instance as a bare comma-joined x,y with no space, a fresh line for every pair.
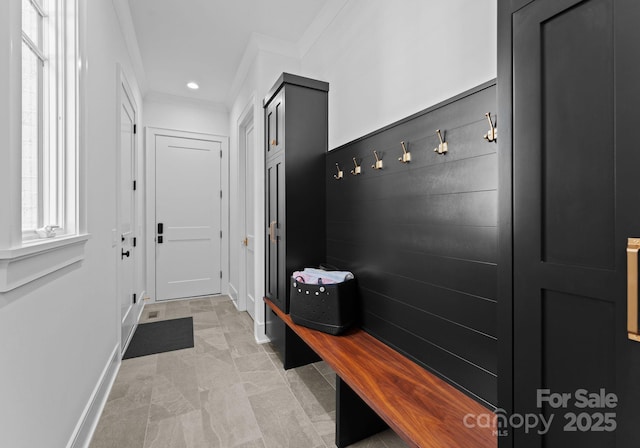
57,334
168,112
387,60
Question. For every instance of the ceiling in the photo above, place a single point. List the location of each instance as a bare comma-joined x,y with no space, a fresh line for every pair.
204,40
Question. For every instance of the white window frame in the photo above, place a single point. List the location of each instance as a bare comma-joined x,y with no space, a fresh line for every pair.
38,50
23,261
58,119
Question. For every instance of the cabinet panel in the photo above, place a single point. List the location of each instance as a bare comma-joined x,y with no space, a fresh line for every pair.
270,248
577,166
275,234
282,278
274,126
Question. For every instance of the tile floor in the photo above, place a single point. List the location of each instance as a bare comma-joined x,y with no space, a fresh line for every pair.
225,392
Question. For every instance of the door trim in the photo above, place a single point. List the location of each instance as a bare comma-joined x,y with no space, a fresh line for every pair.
505,214
253,112
123,88
150,137
245,122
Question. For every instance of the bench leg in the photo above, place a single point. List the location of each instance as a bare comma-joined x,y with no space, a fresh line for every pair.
355,420
291,349
297,352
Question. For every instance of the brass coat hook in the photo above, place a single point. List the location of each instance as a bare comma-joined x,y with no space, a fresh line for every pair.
443,147
378,164
340,174
357,169
492,134
406,155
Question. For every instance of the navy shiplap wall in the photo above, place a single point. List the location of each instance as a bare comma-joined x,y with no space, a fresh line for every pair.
421,238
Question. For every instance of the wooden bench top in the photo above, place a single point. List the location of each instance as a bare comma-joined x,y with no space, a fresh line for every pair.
424,410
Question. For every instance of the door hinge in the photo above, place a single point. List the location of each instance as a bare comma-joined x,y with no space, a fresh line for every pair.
135,299
134,241
221,234
135,128
220,194
221,153
220,274
135,185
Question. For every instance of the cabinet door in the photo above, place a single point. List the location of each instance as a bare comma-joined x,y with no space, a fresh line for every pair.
576,110
275,124
281,233
271,251
275,288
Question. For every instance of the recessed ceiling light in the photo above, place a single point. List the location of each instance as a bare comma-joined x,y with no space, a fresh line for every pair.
193,85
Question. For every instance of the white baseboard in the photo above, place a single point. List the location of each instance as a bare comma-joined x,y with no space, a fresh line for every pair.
142,303
259,332
233,293
138,309
88,421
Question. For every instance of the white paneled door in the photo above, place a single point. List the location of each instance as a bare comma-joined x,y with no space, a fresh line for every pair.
126,215
249,242
188,224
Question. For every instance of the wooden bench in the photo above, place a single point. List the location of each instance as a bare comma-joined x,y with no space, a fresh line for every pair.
377,386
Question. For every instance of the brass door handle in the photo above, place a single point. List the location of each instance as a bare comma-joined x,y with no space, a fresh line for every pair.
272,231
274,142
633,246
245,242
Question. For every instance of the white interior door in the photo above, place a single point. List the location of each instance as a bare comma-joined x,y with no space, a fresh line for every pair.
249,179
188,203
126,216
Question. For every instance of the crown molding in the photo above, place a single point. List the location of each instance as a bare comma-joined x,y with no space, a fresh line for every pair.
123,12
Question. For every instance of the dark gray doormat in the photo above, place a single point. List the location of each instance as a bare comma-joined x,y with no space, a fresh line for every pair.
159,337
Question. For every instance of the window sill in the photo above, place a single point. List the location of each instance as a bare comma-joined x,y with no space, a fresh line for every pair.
34,260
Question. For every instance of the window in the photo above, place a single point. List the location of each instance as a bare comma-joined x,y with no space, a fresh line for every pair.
52,123
49,111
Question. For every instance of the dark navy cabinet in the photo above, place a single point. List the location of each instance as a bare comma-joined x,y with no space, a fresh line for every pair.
296,134
569,100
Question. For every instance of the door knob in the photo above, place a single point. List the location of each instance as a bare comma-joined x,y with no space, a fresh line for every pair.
245,241
124,254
